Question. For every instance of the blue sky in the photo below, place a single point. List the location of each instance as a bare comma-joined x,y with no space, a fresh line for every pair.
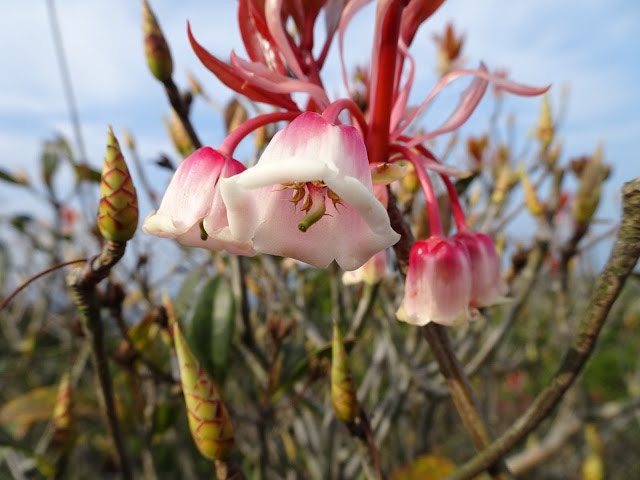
593,48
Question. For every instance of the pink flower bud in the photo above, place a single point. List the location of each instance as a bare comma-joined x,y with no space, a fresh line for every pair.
438,284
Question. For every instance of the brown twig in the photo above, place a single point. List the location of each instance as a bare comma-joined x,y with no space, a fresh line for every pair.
228,471
623,259
82,282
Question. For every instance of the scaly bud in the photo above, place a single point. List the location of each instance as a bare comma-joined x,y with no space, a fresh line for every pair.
588,195
209,420
234,114
503,185
343,391
155,46
63,420
128,140
476,147
386,173
545,130
449,49
118,208
531,199
194,84
179,135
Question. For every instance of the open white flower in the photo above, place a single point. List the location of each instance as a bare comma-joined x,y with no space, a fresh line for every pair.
310,197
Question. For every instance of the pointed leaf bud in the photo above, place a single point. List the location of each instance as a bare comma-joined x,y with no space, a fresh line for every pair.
155,46
118,208
343,391
590,186
178,134
234,114
209,419
194,84
63,420
545,130
449,50
531,200
386,173
503,185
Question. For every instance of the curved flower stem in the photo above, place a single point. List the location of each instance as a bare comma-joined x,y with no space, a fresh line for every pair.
82,282
435,222
332,112
623,259
229,144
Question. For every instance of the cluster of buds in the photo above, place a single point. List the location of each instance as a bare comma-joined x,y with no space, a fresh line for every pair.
314,195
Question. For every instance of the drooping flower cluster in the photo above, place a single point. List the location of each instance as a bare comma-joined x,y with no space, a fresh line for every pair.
311,194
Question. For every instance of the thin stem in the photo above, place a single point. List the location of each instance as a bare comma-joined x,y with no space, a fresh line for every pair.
623,259
458,213
66,79
371,443
332,112
229,144
461,391
82,282
435,222
8,298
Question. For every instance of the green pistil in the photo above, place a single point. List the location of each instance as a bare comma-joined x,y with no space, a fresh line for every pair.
315,207
311,218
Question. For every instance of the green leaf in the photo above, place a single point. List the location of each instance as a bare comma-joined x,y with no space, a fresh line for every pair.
211,327
184,299
19,413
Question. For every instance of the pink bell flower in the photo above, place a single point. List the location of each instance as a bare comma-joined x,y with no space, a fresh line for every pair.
192,210
310,197
438,284
487,285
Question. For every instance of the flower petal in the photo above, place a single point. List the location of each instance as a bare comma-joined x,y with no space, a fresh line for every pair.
261,208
